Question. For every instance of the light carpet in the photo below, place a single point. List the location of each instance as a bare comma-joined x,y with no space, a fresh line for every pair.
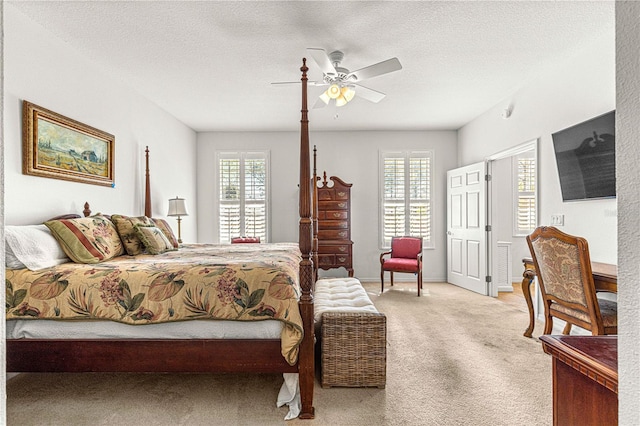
453,358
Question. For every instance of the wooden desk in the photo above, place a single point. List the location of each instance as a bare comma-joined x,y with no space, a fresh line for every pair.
585,379
605,278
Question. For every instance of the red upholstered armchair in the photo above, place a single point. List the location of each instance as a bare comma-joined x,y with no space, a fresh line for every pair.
245,240
406,256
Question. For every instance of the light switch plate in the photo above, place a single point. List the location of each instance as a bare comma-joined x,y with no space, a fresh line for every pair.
557,220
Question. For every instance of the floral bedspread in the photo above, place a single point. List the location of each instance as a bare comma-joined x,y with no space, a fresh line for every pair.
199,281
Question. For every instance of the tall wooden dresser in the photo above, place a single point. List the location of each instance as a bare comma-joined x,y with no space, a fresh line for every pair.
335,248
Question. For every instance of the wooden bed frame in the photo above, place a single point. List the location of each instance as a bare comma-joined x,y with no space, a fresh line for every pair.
194,355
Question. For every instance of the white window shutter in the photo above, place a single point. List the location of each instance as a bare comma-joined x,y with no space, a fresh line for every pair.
243,182
525,221
406,195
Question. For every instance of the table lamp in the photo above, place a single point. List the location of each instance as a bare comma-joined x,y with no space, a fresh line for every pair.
177,207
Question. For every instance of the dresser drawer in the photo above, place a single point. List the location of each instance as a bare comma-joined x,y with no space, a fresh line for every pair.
333,224
341,195
335,214
326,259
333,234
332,205
325,195
341,249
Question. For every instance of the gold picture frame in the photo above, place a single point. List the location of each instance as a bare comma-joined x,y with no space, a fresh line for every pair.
58,147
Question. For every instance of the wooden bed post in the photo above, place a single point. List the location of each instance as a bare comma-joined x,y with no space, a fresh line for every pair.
147,188
314,216
306,361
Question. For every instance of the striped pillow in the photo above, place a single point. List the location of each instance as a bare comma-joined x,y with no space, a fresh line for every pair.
166,230
91,239
153,239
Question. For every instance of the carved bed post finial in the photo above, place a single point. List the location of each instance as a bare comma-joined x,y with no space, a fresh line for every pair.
87,211
147,188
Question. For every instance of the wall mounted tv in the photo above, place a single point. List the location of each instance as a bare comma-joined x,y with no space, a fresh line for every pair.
586,159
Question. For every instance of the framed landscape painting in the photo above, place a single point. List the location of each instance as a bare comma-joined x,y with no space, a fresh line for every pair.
59,147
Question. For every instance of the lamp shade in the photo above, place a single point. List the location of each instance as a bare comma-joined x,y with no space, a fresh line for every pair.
177,207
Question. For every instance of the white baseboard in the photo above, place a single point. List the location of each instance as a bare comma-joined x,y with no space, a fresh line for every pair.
402,280
505,289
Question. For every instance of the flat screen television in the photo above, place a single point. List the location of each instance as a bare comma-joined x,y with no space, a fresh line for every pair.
586,159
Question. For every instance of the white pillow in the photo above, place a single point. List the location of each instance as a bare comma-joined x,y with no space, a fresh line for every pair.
32,246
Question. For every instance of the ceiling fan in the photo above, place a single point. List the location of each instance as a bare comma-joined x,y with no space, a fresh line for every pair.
343,84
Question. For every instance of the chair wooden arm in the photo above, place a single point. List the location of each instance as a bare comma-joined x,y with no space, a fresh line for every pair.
382,255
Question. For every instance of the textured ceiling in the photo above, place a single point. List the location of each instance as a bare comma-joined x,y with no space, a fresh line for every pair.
210,64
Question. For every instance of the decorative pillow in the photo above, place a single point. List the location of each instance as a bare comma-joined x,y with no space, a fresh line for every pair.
153,239
125,226
166,230
33,247
91,239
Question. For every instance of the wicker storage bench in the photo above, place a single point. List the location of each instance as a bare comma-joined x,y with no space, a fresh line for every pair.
353,335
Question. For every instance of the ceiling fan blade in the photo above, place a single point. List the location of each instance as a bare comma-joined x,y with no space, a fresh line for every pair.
310,83
369,94
322,59
319,104
384,67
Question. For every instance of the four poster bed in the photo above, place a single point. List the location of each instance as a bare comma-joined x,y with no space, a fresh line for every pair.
289,269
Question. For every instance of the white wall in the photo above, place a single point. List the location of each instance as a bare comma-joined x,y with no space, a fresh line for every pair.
582,88
627,158
42,69
352,156
3,361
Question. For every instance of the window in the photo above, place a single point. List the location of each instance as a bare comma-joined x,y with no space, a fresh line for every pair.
242,195
406,195
524,166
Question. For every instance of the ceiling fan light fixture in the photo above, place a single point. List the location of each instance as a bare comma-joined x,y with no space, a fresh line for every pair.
333,91
341,101
348,92
325,97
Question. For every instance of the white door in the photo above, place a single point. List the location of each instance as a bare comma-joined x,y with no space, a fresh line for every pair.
466,235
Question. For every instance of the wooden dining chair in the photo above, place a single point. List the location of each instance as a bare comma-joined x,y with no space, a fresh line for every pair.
405,256
566,283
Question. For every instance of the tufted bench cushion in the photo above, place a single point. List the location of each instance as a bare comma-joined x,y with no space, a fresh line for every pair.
353,334
340,295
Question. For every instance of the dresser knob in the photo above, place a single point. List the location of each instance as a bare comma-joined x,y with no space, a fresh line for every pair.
342,194
342,234
336,215
342,259
343,249
342,204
